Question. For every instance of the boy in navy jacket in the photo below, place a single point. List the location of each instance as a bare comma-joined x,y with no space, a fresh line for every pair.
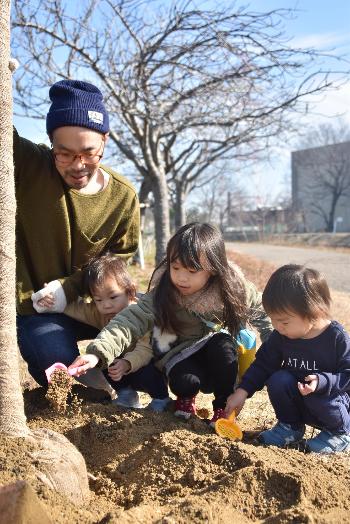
305,364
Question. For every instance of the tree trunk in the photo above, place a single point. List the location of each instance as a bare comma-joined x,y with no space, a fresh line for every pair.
145,190
161,216
12,418
180,211
57,463
331,215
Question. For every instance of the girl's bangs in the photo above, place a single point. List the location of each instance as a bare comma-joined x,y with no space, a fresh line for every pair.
186,254
187,259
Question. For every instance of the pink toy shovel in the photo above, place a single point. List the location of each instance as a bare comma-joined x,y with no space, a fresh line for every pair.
59,365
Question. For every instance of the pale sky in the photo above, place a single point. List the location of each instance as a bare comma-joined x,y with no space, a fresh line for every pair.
324,25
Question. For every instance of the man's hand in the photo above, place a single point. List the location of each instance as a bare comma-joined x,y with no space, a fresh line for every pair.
235,402
82,364
311,383
118,369
46,302
55,304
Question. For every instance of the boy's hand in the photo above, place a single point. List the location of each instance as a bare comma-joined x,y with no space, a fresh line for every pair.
311,383
235,402
82,364
118,369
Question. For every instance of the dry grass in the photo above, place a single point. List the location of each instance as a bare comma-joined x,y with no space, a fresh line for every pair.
142,276
341,308
259,271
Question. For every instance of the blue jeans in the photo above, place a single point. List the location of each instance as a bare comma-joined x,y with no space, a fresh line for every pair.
320,411
48,338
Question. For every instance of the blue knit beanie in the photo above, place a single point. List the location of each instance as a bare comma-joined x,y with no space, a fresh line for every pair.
76,103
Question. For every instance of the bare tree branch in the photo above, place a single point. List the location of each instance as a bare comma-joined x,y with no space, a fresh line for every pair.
186,88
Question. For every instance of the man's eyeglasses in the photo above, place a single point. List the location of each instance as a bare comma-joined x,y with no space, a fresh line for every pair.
64,158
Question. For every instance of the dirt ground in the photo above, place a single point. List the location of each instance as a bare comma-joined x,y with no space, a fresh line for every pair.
152,468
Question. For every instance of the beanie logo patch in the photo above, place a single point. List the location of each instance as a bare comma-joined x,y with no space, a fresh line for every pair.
96,117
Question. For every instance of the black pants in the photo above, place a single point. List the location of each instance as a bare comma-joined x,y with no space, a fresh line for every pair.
147,379
213,369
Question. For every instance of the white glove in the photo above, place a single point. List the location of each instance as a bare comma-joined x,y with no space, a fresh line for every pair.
60,302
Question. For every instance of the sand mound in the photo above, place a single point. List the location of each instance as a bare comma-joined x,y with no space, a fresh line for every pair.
152,468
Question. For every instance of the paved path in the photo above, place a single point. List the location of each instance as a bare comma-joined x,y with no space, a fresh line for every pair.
333,264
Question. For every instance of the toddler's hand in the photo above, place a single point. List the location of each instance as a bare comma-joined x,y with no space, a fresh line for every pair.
118,369
82,364
310,386
235,402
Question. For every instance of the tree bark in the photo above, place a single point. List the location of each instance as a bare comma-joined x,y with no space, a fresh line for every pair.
161,216
57,462
12,418
180,210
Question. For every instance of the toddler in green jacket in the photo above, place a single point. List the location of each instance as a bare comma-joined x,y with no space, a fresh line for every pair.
110,288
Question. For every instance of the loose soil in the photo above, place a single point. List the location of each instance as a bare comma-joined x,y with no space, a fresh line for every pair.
146,467
59,389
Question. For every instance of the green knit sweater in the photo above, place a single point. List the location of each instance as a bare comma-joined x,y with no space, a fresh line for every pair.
59,229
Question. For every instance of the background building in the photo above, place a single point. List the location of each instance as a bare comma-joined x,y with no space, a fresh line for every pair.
321,188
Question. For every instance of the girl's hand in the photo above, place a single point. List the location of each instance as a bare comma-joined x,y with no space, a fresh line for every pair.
235,402
118,369
82,364
310,386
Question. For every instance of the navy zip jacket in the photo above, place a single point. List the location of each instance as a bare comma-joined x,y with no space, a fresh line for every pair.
327,356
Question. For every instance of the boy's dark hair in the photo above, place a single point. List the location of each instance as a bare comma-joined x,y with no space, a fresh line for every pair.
299,289
200,246
107,265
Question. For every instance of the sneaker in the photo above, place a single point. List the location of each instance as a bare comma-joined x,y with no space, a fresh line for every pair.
328,442
128,398
185,407
218,413
281,435
159,404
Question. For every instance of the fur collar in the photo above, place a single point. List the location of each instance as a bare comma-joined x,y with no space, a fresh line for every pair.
207,300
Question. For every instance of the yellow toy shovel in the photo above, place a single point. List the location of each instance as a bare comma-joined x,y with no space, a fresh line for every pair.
228,427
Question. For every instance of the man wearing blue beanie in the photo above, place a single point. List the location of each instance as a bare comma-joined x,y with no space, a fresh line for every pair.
69,208
76,103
